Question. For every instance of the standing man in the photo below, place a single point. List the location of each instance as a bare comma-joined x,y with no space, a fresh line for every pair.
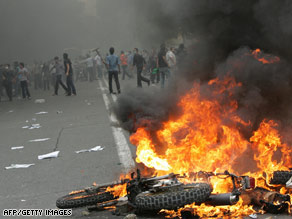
46,76
69,75
124,63
139,62
23,77
7,77
113,66
59,70
162,64
98,62
171,60
90,65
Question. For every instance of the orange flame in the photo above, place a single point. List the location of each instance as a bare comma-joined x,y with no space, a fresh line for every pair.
266,59
206,136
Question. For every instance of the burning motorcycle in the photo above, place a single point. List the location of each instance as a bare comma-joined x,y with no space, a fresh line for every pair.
168,192
163,192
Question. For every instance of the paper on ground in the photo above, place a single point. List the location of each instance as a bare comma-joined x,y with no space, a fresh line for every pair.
17,147
96,148
49,155
33,126
40,101
17,166
253,216
38,140
40,113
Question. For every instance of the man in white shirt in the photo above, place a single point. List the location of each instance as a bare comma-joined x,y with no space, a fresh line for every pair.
98,63
23,77
171,60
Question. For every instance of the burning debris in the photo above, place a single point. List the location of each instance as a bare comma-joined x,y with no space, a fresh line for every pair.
207,158
226,130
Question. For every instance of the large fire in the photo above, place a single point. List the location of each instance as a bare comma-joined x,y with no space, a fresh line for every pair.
205,136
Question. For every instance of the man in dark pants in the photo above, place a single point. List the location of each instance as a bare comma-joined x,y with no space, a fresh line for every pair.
7,77
46,76
139,62
59,71
113,66
124,63
69,75
162,64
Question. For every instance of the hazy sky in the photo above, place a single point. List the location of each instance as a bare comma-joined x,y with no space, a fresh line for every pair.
41,29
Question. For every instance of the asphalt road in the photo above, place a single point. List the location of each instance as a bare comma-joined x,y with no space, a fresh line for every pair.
71,124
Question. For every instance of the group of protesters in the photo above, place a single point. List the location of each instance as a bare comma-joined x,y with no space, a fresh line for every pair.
150,67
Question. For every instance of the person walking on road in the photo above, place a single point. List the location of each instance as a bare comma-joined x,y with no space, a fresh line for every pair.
139,62
124,63
69,75
113,66
59,70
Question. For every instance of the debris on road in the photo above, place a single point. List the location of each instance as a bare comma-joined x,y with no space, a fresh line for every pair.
17,166
96,148
59,111
10,111
131,216
39,140
85,213
253,216
23,200
49,155
40,113
32,126
40,101
17,147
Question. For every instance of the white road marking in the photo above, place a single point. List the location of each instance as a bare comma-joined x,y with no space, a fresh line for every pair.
123,148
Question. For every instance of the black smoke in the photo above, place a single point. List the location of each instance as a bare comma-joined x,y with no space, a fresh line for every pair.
226,33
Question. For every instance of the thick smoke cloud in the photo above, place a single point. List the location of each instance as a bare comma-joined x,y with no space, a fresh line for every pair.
226,32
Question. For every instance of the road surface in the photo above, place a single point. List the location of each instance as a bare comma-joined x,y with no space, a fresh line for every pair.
70,124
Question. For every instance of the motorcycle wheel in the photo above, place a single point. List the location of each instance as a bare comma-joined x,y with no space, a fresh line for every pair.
280,177
82,199
171,200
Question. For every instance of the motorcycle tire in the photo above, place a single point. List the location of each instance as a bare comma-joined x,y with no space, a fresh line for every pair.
82,199
280,177
171,200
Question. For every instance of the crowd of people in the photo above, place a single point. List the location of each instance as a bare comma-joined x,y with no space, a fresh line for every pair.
153,67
